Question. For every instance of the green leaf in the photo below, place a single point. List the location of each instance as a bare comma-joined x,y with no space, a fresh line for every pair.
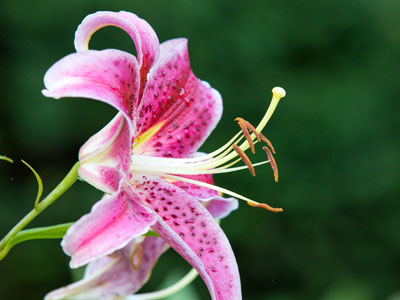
40,233
49,232
39,182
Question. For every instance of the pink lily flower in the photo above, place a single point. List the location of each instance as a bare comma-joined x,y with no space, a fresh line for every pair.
125,271
145,158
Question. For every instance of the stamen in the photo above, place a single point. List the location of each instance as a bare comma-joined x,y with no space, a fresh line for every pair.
265,206
244,128
245,159
215,188
250,127
224,169
219,161
215,153
272,162
267,141
277,94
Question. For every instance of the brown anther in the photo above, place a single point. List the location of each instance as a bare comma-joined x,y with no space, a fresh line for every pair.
245,159
265,206
135,258
246,133
267,141
272,162
253,130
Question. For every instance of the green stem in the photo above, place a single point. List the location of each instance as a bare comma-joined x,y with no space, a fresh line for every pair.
63,186
185,281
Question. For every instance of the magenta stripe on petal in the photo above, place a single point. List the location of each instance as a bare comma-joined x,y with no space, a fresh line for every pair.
113,222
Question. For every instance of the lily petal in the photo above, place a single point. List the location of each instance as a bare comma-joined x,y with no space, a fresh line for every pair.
191,230
117,275
199,192
142,34
105,157
111,76
218,206
186,108
113,222
167,79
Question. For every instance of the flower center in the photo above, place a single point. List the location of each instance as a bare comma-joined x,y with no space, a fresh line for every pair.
219,161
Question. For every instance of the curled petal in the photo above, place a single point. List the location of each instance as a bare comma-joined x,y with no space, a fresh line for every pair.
114,276
185,108
111,76
191,230
105,157
144,37
113,222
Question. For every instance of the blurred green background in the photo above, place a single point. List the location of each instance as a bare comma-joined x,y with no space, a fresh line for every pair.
336,134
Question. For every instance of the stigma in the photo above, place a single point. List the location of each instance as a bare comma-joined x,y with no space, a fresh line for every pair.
222,160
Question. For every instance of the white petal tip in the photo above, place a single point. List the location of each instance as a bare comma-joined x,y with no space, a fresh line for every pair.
205,83
49,94
73,264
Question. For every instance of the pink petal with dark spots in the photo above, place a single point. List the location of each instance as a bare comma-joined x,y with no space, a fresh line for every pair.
142,34
117,275
186,225
218,206
189,108
167,79
111,76
113,222
105,157
195,190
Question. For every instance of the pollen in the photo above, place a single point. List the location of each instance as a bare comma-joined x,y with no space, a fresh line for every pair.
246,127
272,162
245,159
265,206
267,141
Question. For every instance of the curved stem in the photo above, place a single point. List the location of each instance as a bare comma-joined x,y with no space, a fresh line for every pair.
63,186
189,277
